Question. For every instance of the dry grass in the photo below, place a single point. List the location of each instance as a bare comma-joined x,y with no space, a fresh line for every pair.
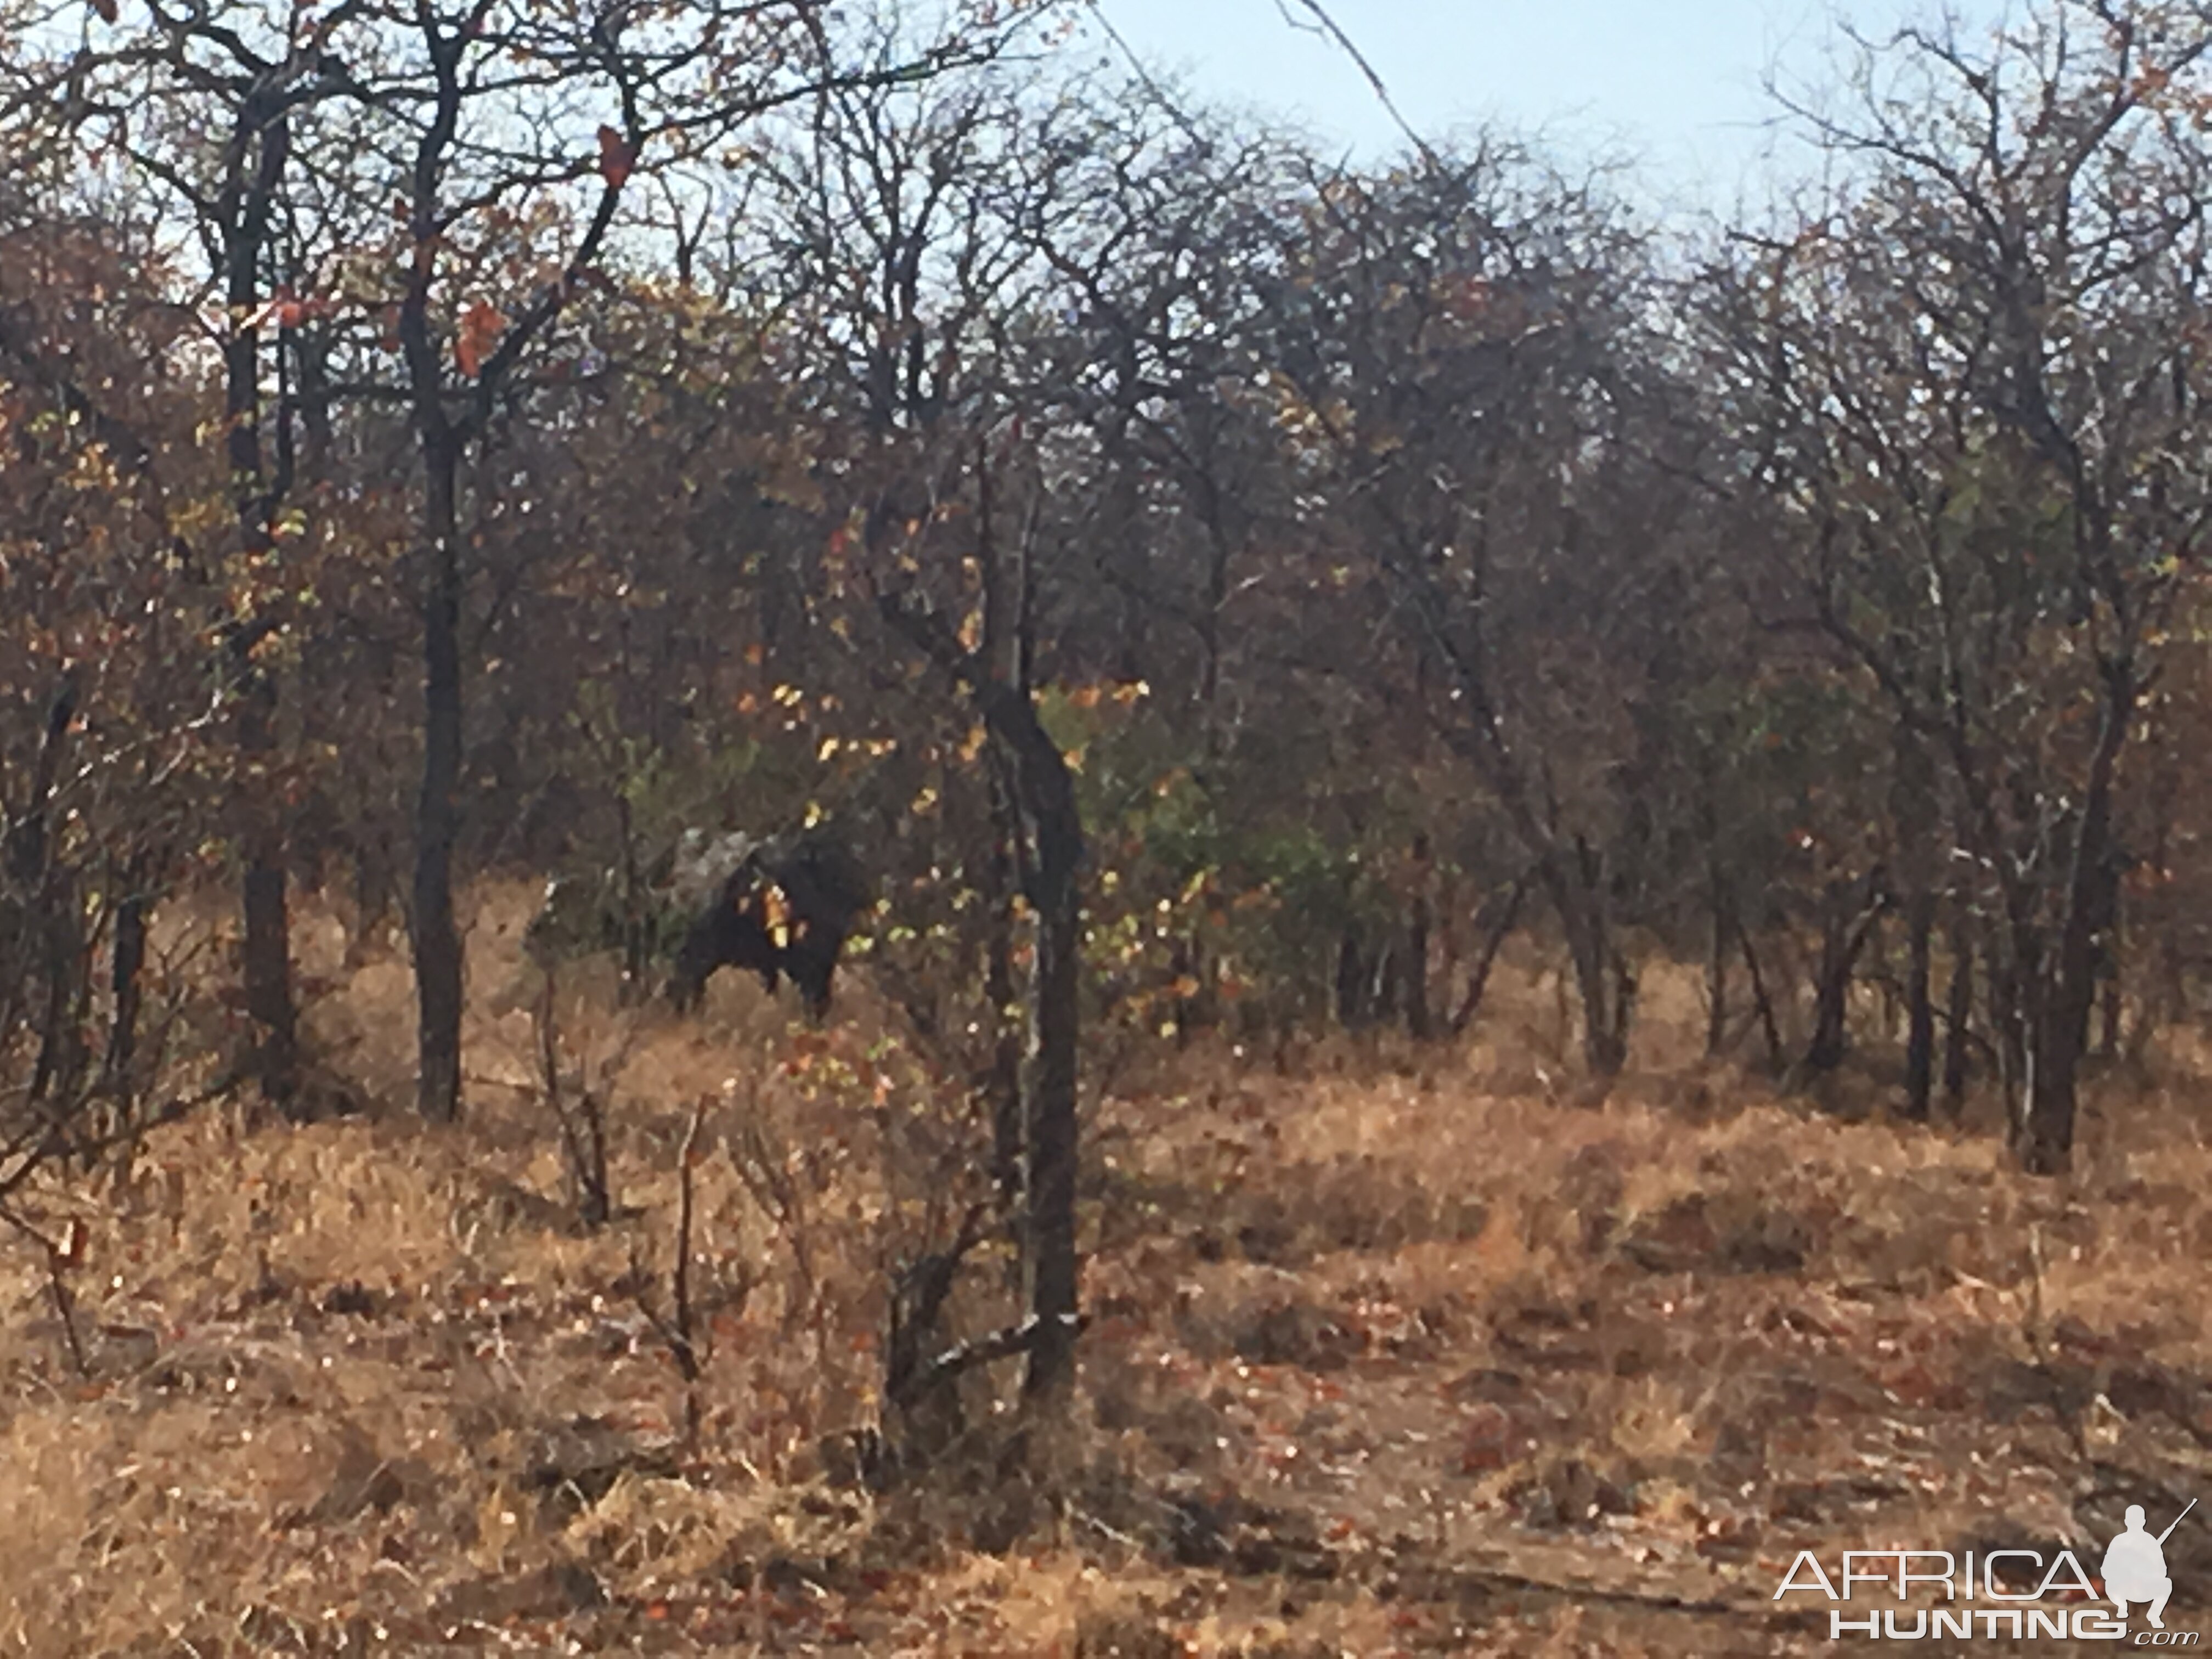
1413,1353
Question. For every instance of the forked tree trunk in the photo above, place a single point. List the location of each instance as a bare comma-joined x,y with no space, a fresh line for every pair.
1761,1001
244,210
2044,1145
1496,930
995,678
1575,878
1044,793
441,440
1844,932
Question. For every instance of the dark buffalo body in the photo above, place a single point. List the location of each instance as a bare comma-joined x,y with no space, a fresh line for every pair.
780,908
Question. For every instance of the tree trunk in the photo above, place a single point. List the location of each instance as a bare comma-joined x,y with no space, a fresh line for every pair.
637,928
60,1065
440,443
267,944
1831,998
1050,1124
268,969
1842,938
1354,979
2171,1001
1723,909
1960,1011
1218,548
2110,1032
1478,979
925,1408
1607,988
1761,1002
999,986
2061,1033
1414,981
2008,1019
1914,807
1049,859
43,893
126,987
1919,1008
437,937
244,210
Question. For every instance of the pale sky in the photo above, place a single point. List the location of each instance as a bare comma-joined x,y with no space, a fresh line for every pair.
1675,85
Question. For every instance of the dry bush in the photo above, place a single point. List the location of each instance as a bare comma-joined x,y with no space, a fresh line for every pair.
1370,1345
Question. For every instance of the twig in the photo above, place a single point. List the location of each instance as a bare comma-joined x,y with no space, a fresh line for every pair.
677,1330
584,1144
58,1256
768,1180
983,1350
23,1157
1326,26
1478,979
917,1300
1111,1533
687,1356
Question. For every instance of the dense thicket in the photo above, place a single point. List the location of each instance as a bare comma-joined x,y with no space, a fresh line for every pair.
1209,585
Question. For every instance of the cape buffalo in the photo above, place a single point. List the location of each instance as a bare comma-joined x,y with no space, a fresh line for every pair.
779,906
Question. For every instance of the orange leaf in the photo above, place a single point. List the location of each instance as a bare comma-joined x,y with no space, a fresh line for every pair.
480,329
616,157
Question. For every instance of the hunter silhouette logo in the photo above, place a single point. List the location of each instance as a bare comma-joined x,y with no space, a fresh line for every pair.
2135,1566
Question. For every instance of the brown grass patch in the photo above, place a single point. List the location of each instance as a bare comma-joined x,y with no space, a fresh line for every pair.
1412,1354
